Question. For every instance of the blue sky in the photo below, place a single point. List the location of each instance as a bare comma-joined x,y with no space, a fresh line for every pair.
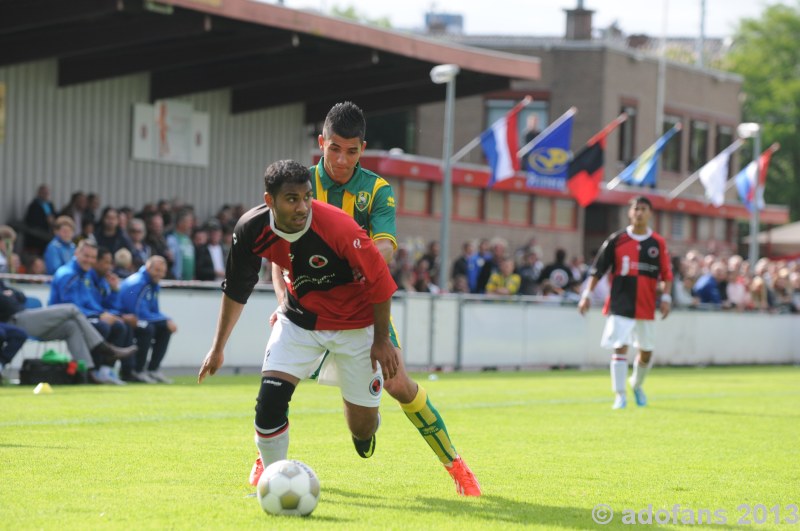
546,17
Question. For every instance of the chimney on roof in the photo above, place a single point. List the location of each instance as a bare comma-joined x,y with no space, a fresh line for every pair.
579,23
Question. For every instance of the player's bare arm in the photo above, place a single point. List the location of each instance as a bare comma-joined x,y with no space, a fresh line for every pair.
229,313
279,285
386,248
666,299
583,304
383,350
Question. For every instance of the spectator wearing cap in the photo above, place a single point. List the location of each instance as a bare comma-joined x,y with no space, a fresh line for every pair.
60,249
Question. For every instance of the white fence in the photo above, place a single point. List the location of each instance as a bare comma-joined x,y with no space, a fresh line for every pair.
478,332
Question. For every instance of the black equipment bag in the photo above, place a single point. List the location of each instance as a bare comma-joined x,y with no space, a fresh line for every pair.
35,371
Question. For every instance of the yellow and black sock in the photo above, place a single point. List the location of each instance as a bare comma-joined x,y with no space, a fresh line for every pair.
431,426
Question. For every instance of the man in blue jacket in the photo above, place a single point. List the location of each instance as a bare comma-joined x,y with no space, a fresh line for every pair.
139,296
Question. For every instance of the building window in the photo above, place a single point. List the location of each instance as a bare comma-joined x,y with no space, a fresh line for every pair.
415,197
678,227
723,140
704,226
720,232
518,213
436,199
495,206
565,213
627,134
468,205
533,115
542,211
698,144
671,156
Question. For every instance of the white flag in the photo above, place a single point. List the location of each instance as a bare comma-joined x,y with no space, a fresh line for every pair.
714,175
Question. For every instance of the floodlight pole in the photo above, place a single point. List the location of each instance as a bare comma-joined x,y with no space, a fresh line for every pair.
446,74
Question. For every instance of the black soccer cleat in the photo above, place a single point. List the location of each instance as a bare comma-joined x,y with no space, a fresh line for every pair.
365,448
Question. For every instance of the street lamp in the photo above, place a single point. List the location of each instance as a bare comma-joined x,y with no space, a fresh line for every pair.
753,130
446,74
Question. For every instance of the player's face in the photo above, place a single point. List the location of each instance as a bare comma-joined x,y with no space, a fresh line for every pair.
639,214
341,156
103,265
291,206
157,270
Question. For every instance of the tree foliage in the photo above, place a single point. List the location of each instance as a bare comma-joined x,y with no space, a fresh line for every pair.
766,53
352,13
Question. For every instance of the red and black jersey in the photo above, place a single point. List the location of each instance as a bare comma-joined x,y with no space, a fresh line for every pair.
635,263
335,271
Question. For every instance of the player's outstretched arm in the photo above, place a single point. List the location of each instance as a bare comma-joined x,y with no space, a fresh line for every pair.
229,313
383,350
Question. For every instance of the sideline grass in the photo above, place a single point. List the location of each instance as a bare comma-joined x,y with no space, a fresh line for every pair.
546,447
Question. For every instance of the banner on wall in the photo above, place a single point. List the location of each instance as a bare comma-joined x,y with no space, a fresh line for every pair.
171,132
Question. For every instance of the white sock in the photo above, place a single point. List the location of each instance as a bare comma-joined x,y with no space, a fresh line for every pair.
619,370
639,372
273,446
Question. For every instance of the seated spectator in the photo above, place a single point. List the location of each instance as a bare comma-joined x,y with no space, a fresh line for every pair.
139,296
39,219
108,232
90,214
504,281
123,263
33,265
74,209
87,231
782,291
461,264
402,269
529,272
61,322
140,250
491,264
217,248
204,266
759,295
60,249
156,240
460,284
7,238
421,278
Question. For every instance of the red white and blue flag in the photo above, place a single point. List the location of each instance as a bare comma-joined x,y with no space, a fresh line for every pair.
500,144
746,179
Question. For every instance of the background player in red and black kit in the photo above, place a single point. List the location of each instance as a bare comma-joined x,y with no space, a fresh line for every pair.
636,259
339,298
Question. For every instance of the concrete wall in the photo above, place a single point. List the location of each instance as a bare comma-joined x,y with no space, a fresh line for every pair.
475,332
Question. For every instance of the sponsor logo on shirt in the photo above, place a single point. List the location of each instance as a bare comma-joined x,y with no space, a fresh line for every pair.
357,243
317,261
390,202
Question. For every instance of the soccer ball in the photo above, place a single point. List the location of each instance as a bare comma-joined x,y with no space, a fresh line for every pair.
288,487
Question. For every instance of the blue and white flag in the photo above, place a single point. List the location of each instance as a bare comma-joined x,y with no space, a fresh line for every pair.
644,170
545,159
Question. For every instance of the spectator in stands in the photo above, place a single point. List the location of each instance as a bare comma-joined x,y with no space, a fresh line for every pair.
461,264
33,265
682,284
39,219
87,231
155,238
60,249
476,262
578,268
108,232
92,208
782,290
491,265
139,296
422,280
123,263
181,246
60,322
140,250
402,269
460,284
529,272
559,272
7,238
217,248
74,209
204,267
759,295
431,256
504,281
707,288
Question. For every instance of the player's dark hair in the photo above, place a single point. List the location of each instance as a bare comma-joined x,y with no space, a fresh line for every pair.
345,119
641,199
102,252
284,172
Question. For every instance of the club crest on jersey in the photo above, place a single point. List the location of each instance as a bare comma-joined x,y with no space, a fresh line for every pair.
362,200
652,252
317,261
357,243
375,386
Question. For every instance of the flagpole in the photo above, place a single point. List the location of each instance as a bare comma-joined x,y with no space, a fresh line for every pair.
696,175
613,124
547,130
613,183
754,211
472,144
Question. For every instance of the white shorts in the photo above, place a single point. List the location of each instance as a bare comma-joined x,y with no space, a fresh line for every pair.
622,331
299,352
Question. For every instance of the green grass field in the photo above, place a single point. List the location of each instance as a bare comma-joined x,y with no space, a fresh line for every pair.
545,446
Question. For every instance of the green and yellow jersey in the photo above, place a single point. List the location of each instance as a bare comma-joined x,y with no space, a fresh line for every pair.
367,197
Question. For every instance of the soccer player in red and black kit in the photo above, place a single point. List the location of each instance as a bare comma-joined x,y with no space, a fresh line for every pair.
636,259
338,301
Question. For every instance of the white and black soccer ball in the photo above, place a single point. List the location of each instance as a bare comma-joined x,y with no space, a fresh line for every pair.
288,487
